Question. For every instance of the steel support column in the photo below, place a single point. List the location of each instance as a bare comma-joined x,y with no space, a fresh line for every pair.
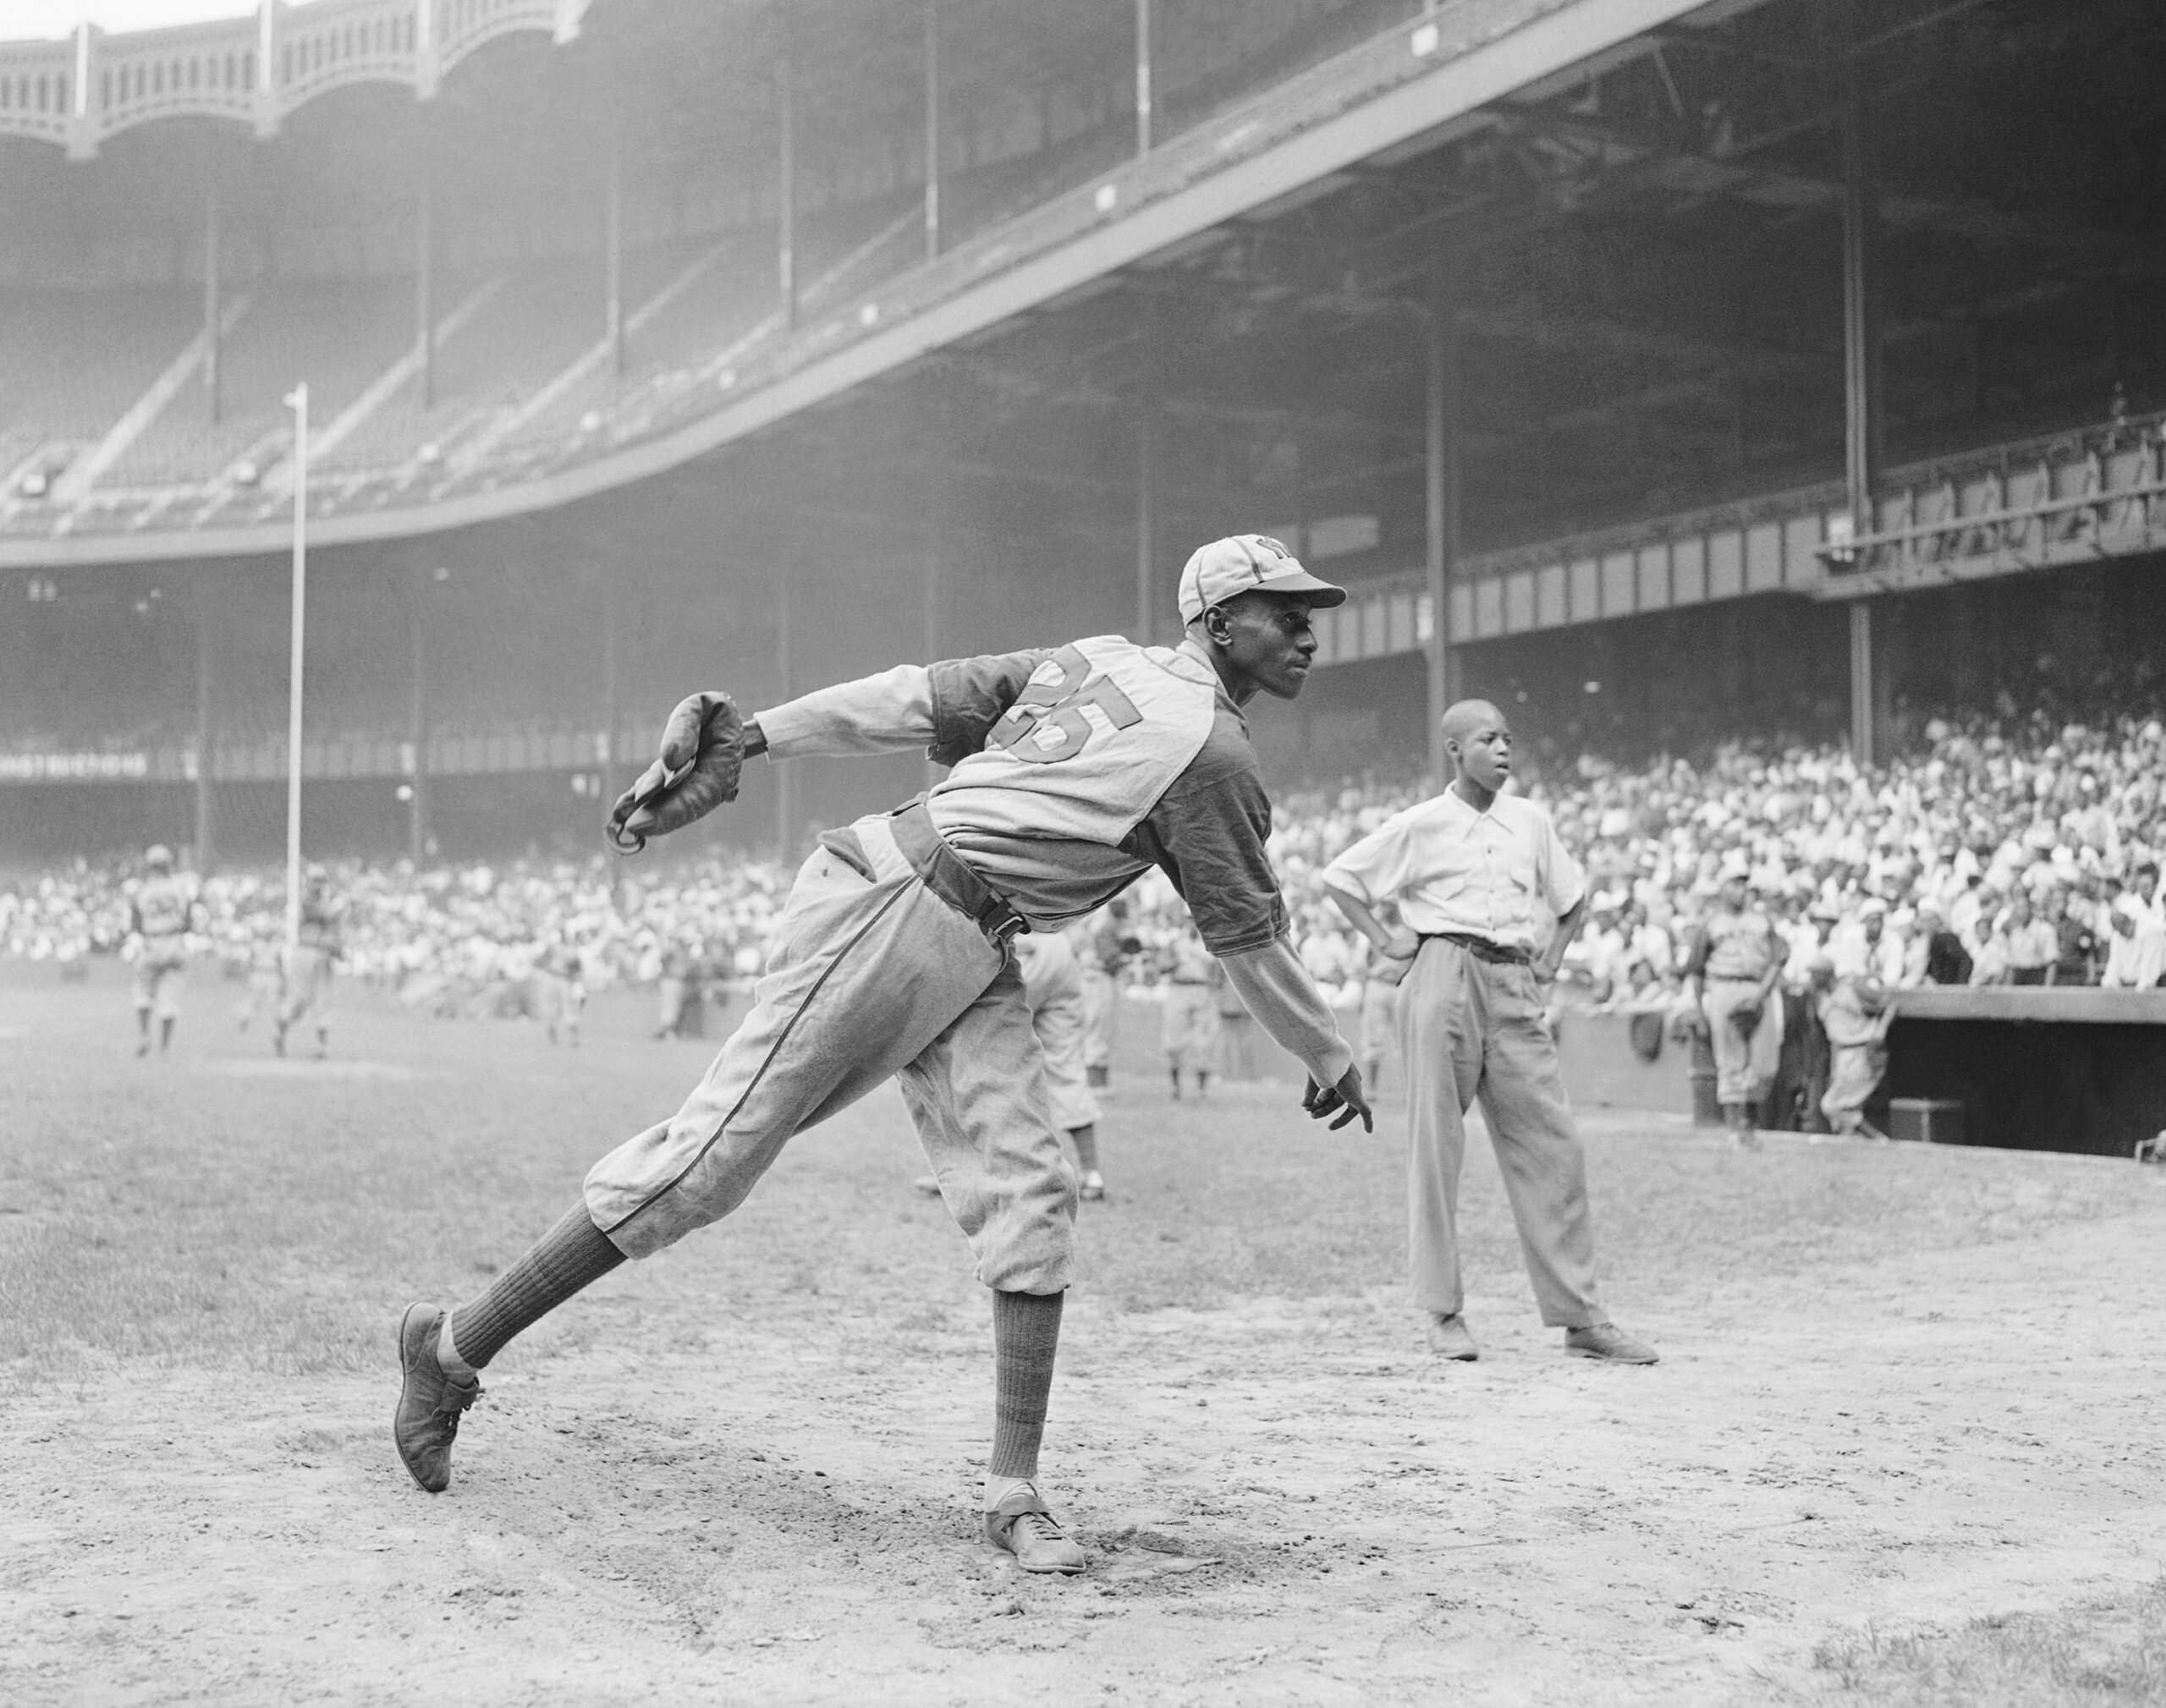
1146,525
1862,413
785,774
1440,532
605,765
943,419
786,193
417,712
1142,76
931,128
212,386
425,268
613,259
203,612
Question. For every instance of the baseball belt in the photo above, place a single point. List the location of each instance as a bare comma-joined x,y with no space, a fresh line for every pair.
942,870
1497,954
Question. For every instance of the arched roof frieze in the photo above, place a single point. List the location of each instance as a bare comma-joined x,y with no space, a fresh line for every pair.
254,70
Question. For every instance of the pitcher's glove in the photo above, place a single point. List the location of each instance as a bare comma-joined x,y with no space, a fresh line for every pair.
702,752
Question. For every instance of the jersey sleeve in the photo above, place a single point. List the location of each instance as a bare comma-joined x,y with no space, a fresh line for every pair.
970,695
889,713
1207,833
1278,990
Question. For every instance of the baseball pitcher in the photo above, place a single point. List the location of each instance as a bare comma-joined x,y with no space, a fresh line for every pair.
1075,770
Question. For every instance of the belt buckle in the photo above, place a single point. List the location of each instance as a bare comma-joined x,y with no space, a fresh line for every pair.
1002,932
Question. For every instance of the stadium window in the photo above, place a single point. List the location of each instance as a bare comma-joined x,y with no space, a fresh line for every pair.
105,90
60,105
195,73
41,95
158,78
285,65
248,67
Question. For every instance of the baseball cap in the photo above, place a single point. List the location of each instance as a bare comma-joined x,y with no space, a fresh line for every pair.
1247,563
158,854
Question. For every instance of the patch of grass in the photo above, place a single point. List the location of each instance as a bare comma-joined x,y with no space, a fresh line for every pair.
154,1210
2101,1654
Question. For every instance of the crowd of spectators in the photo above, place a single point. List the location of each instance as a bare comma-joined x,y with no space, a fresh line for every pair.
2002,851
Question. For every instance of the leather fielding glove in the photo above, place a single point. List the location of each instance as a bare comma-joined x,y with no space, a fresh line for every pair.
702,756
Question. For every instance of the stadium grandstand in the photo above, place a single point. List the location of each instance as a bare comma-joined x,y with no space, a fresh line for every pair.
1674,373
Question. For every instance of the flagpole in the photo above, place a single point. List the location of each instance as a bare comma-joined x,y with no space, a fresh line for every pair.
297,401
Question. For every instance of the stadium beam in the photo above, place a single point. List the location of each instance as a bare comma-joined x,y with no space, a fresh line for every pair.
785,775
417,712
424,256
297,401
1441,506
786,192
1861,411
612,221
932,129
211,385
202,613
1142,77
1146,522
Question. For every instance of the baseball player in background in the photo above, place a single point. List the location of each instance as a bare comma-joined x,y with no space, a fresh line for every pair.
1736,958
1189,1018
560,992
1489,900
1075,770
159,916
309,964
1107,944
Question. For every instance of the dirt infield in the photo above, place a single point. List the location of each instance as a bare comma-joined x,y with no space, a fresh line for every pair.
1902,1446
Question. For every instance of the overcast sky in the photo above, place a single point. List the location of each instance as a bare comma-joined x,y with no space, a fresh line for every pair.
22,18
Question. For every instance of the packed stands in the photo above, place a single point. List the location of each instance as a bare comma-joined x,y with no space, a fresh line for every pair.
2000,830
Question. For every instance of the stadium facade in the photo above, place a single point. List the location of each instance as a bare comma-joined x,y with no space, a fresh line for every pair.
1676,370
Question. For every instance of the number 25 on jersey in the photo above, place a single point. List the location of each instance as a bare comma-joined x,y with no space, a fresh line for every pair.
1045,724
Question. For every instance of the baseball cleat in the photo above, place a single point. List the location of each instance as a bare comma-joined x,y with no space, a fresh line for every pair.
1608,1342
429,1401
1094,1187
1450,1337
1020,1525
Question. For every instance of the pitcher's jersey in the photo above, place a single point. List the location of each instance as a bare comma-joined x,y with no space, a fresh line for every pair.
161,906
1100,730
1077,770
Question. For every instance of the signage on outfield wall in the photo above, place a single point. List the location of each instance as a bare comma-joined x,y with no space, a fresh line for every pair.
73,767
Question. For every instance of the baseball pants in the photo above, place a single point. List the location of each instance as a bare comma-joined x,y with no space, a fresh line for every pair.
868,978
308,986
1855,1076
1471,1029
1190,1023
160,975
1744,1066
